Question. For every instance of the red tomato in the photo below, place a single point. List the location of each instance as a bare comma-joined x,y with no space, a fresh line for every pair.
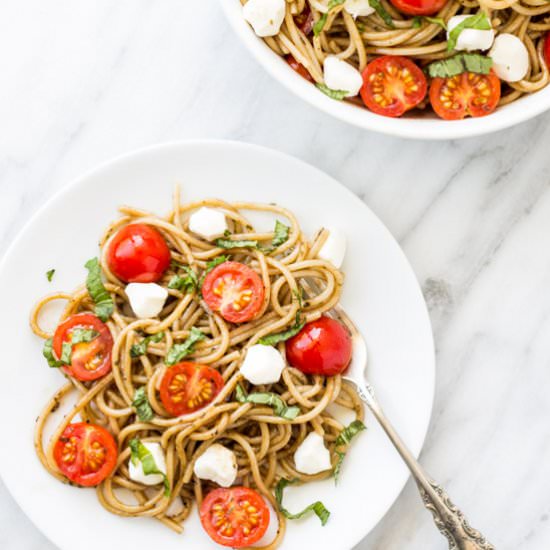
321,347
547,48
86,453
188,387
89,360
235,517
393,85
305,20
138,253
465,94
419,7
299,68
235,290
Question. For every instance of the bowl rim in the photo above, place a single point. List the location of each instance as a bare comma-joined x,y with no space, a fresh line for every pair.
414,128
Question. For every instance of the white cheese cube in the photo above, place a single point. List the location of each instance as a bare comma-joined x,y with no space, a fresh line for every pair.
339,75
146,299
510,58
312,457
358,8
263,364
470,39
334,248
208,223
217,464
265,16
136,470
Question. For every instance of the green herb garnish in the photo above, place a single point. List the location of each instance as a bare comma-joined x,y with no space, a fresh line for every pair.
382,12
215,262
228,244
140,453
142,406
50,274
178,351
339,95
460,63
273,400
281,234
187,283
318,508
320,24
479,21
344,439
140,348
78,335
299,322
417,21
104,304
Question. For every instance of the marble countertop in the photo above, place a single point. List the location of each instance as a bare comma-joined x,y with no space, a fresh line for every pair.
85,81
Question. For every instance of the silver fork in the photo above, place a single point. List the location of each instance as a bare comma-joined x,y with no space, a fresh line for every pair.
447,517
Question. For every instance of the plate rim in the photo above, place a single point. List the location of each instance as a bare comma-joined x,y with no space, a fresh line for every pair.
204,142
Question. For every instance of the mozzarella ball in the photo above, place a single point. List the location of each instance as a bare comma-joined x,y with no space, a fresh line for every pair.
334,247
217,464
146,299
358,8
263,364
339,75
136,470
208,223
312,457
265,16
470,39
510,58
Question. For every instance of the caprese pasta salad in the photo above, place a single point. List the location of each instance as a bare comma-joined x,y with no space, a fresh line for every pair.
204,361
462,58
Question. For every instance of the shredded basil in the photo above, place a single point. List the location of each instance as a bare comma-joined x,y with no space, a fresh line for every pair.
78,335
460,63
104,304
417,21
318,508
339,95
188,283
382,12
139,349
140,453
320,25
280,408
479,21
142,406
215,262
50,274
344,438
281,234
178,351
228,243
273,339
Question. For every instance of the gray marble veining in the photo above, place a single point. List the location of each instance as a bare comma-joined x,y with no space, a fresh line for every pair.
85,81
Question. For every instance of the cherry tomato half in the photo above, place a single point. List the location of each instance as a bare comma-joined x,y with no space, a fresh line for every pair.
86,453
89,360
393,85
419,7
547,48
188,387
235,290
465,94
321,347
298,67
234,517
138,253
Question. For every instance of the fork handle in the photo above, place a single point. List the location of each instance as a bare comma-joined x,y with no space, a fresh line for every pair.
447,517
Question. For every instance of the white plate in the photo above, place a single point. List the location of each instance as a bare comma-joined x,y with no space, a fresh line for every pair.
381,293
409,126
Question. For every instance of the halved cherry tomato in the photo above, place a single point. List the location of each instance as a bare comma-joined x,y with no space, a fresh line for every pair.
393,85
235,290
305,20
234,517
465,94
299,68
138,253
89,360
547,48
188,387
86,453
321,347
419,7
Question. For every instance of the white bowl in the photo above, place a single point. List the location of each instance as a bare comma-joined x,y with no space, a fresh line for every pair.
420,127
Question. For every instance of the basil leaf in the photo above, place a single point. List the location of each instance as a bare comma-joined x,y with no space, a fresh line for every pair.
47,352
142,406
139,349
317,508
215,262
281,234
273,400
50,274
479,21
140,453
381,11
272,339
227,244
189,283
344,438
339,95
78,335
104,304
460,63
320,25
178,351
417,21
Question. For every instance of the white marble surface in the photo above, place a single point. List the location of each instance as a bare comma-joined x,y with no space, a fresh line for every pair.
84,81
